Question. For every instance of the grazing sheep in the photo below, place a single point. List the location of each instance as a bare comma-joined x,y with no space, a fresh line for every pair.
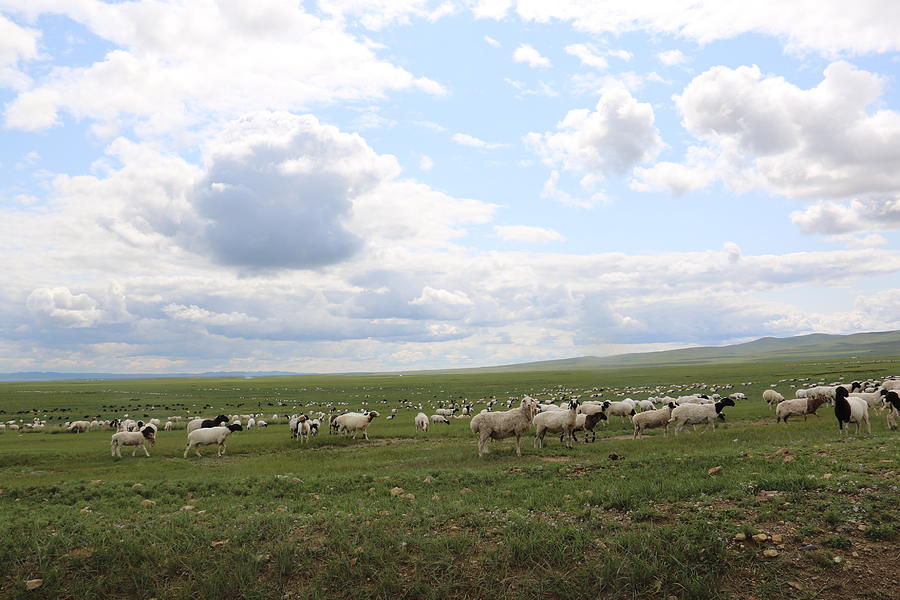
206,423
251,422
355,422
645,405
892,403
207,436
262,423
585,423
799,407
504,424
439,419
332,424
422,422
79,426
651,419
850,409
696,414
131,438
562,421
168,426
772,398
445,412
624,409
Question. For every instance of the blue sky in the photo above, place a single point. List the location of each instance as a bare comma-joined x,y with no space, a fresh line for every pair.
396,184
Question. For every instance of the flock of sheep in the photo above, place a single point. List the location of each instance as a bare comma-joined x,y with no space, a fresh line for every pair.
565,414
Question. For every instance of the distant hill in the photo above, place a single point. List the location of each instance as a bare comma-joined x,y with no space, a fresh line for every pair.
802,347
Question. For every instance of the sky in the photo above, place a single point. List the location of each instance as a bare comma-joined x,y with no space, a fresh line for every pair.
368,185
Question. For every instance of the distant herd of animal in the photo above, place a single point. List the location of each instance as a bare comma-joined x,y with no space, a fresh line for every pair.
567,417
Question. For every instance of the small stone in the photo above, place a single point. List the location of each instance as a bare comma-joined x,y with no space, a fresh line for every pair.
428,479
33,584
96,481
770,553
147,502
396,491
809,547
760,537
137,486
188,507
715,470
855,554
86,510
296,480
218,543
777,538
796,585
827,476
838,560
465,490
740,537
789,458
410,496
281,509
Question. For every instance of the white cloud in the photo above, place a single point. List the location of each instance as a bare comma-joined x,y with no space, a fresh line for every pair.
526,233
670,58
426,163
876,213
832,27
529,55
491,9
612,139
491,41
17,44
201,60
464,139
830,141
588,55
552,191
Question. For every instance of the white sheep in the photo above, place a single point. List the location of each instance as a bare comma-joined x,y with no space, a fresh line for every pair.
624,409
251,422
645,405
355,422
422,422
168,426
850,409
439,419
651,419
79,426
697,414
504,424
562,421
772,398
799,407
131,438
207,436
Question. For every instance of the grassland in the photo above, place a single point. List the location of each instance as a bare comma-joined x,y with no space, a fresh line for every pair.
415,516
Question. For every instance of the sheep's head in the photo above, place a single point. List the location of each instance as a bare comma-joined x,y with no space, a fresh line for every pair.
372,415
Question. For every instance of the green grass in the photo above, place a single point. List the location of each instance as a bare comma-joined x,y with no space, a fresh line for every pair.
277,519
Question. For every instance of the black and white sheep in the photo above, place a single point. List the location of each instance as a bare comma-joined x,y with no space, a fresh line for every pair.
850,409
131,438
697,414
207,436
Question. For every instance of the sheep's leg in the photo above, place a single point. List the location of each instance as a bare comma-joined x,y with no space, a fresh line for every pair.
366,434
482,444
186,448
519,445
636,432
868,425
145,450
133,450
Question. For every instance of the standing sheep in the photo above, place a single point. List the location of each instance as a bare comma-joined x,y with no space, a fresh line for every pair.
131,438
799,407
557,421
422,422
650,419
207,436
772,398
697,414
504,424
850,409
440,419
355,422
892,402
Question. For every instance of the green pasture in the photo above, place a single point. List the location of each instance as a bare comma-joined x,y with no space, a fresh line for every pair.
410,515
